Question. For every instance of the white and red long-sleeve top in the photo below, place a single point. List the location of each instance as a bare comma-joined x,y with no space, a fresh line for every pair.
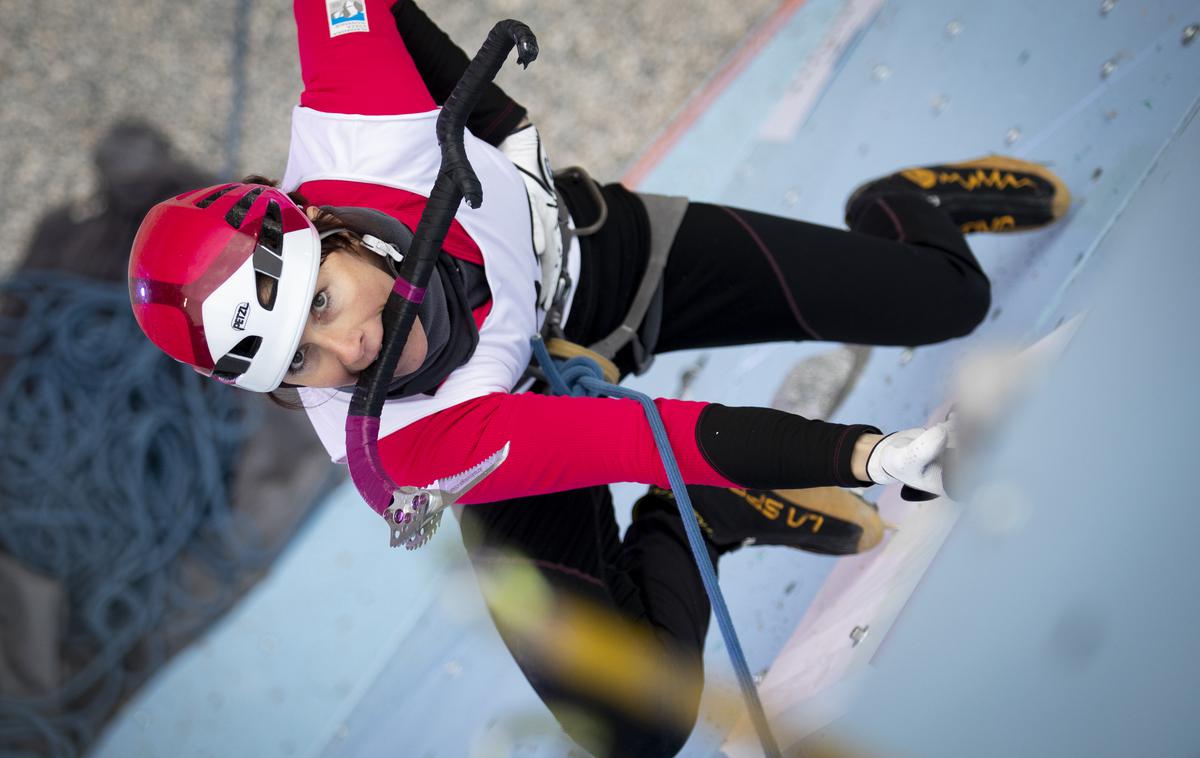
363,135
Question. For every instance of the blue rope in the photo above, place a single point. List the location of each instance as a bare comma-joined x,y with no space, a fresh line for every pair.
116,465
581,376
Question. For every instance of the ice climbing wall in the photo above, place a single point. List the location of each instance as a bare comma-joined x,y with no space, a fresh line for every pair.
1050,623
1097,91
324,660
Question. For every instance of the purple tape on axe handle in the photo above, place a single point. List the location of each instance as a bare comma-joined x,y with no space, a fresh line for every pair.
362,435
408,291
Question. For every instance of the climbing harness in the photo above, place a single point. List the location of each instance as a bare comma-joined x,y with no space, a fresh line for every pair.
667,213
552,326
639,327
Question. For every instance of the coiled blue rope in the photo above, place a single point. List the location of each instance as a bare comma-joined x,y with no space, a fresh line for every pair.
116,465
581,376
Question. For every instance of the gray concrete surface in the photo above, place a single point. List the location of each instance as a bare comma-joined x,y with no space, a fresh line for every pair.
611,75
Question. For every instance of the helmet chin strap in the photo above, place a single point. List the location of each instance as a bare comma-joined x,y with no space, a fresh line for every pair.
383,249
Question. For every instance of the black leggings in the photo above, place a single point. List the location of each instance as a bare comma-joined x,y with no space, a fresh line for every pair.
903,276
648,578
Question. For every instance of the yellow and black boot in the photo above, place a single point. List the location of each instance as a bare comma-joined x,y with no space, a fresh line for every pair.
990,194
826,520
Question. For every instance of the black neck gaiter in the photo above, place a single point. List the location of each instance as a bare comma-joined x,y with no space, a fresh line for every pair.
455,289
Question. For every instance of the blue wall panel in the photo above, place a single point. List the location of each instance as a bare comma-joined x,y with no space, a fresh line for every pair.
302,667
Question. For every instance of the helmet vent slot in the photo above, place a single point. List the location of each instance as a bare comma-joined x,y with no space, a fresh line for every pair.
271,234
237,361
237,214
248,347
214,196
268,287
268,259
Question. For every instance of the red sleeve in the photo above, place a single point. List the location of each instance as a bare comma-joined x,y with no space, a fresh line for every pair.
356,66
556,444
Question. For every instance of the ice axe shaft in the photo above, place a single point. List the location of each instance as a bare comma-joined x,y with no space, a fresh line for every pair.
456,179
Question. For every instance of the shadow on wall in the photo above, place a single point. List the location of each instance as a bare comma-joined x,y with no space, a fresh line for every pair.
138,500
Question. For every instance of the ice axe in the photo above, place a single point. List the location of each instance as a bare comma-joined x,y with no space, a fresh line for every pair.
413,513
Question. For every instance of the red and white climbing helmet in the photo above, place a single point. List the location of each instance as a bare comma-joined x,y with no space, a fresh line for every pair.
222,279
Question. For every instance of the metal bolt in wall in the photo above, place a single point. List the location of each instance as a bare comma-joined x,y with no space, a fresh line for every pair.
858,634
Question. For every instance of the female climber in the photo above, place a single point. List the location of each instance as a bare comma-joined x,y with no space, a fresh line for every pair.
266,287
